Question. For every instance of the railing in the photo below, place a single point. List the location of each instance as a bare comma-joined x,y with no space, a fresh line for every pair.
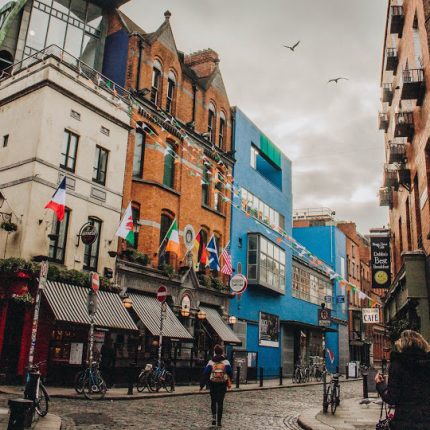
391,52
396,10
405,118
312,213
397,151
385,196
413,76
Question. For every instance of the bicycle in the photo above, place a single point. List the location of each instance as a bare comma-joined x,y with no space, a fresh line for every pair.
333,393
315,373
161,378
300,374
143,378
90,382
36,391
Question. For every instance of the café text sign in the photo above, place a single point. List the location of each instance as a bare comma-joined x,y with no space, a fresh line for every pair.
370,315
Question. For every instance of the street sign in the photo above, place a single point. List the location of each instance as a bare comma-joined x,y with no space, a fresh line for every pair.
95,281
238,283
162,294
324,317
370,315
43,276
328,299
189,236
340,299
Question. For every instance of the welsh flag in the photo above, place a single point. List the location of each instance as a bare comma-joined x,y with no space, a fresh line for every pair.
172,237
125,229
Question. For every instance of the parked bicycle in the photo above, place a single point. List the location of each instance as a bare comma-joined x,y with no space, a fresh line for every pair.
333,393
301,374
36,391
316,372
90,382
161,378
143,378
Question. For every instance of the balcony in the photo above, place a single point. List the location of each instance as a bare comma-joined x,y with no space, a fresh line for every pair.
404,176
387,93
396,152
391,60
385,197
404,125
390,176
413,87
383,121
397,20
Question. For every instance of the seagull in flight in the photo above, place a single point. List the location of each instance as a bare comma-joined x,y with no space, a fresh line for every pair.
336,80
292,48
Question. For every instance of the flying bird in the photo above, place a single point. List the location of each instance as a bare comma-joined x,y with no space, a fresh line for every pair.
292,48
336,80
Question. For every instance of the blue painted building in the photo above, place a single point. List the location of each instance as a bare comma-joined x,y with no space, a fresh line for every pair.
278,326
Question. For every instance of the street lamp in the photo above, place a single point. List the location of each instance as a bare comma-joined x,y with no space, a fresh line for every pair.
185,312
127,302
232,320
201,315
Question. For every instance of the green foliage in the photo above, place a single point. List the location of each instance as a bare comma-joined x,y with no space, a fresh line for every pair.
136,257
395,328
25,299
10,266
167,270
218,283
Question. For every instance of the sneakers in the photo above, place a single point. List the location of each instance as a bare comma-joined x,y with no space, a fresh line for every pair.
213,422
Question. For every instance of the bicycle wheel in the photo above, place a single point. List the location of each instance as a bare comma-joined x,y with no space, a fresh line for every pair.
94,386
78,383
41,404
152,382
142,382
306,375
333,402
337,396
298,376
169,384
318,375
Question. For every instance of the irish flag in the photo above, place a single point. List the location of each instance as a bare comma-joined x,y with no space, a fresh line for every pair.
125,229
58,201
172,237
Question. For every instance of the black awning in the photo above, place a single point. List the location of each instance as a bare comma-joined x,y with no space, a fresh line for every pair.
301,324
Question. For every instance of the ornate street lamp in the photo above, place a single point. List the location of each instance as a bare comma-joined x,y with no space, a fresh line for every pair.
232,320
185,312
127,302
201,315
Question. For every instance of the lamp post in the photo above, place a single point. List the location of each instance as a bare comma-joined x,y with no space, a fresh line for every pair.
127,302
232,320
185,312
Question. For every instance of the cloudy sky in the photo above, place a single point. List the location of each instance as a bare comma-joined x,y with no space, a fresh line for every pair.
329,131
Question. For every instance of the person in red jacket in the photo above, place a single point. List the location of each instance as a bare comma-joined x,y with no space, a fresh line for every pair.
218,374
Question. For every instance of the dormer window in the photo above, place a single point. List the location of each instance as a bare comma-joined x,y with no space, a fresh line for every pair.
211,122
171,85
156,82
221,133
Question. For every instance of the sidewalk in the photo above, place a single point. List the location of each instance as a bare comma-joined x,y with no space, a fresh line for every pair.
350,415
50,422
121,393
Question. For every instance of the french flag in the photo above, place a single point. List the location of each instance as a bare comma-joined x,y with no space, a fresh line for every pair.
58,201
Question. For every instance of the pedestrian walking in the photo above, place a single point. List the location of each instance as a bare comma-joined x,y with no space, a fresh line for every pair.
408,387
107,361
218,374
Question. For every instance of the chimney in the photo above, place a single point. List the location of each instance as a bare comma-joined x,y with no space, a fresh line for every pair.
203,62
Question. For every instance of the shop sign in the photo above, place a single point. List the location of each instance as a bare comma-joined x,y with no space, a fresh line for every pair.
76,350
238,283
380,261
370,315
89,234
268,329
324,317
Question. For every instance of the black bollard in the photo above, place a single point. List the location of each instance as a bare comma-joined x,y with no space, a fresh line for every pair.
346,372
281,376
131,378
21,414
237,376
365,386
325,403
261,376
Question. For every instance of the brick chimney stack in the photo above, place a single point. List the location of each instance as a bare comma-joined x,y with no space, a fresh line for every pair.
203,62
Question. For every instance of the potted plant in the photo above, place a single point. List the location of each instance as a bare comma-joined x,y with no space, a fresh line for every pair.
8,226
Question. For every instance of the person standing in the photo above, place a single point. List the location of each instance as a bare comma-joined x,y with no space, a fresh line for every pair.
218,374
107,361
408,387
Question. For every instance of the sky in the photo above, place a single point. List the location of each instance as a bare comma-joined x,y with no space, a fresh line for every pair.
329,131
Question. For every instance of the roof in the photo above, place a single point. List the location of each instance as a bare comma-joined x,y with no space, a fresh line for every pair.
131,26
69,303
148,309
225,333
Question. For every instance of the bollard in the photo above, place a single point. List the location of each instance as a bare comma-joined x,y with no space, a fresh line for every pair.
346,373
281,376
131,378
174,379
365,386
261,376
21,414
237,376
325,403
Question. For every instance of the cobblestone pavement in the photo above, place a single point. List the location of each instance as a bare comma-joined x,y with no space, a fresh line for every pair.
270,409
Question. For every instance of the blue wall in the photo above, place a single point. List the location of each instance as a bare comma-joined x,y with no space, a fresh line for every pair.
115,57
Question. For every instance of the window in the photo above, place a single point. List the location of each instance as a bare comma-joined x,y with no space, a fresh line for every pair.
70,148
156,82
221,131
139,154
91,252
166,221
266,263
169,166
400,235
218,197
100,165
205,185
204,232
5,140
171,84
211,122
57,244
135,213
263,163
254,153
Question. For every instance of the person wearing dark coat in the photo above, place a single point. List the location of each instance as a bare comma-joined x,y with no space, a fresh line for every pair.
107,362
217,388
408,387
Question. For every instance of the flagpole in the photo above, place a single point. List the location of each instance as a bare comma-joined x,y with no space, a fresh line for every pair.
161,244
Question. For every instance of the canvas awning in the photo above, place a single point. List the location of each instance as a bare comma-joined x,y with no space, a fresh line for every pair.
69,304
148,309
225,333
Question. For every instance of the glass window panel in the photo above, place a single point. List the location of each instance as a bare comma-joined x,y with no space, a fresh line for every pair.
282,256
74,41
270,249
90,48
62,5
94,15
263,261
56,32
37,29
78,10
263,245
263,274
269,277
276,253
252,272
252,242
252,257
138,155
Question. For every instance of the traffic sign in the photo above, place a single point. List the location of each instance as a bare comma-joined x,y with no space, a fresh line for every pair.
162,294
238,283
95,281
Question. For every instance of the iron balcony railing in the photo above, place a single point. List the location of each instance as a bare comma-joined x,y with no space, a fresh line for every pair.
396,152
387,93
391,60
397,20
383,120
385,196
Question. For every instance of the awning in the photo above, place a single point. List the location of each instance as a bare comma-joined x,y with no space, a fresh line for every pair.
301,324
215,321
69,303
148,309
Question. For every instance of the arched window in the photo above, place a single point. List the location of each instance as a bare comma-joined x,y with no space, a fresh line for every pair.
218,196
165,222
202,254
221,133
157,73
135,213
211,122
171,85
205,185
139,154
169,165
91,252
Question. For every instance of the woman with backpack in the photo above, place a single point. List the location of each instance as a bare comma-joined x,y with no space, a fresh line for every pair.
218,374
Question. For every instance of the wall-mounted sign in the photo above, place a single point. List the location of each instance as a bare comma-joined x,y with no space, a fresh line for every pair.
268,330
370,315
76,350
328,299
340,299
238,283
380,261
189,236
324,317
88,234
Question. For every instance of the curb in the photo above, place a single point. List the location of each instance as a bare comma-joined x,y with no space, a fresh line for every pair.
308,421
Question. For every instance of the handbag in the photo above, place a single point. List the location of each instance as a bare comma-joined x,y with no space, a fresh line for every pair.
383,423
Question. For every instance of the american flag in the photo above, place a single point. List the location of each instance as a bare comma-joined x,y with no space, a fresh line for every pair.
227,269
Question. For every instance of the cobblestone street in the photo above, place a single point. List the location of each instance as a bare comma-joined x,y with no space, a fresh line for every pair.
270,409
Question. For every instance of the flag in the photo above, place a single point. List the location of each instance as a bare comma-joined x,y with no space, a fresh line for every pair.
330,354
204,255
227,268
125,229
58,201
212,251
196,248
172,237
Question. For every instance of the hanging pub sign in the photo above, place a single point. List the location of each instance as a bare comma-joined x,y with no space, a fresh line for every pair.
88,233
268,330
380,261
370,315
324,317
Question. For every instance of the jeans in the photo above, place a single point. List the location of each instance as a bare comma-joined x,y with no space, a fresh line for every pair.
217,391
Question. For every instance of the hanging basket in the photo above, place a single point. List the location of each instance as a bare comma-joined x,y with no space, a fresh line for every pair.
8,226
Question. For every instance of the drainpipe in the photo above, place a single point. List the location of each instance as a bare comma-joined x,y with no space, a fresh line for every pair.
139,61
194,102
